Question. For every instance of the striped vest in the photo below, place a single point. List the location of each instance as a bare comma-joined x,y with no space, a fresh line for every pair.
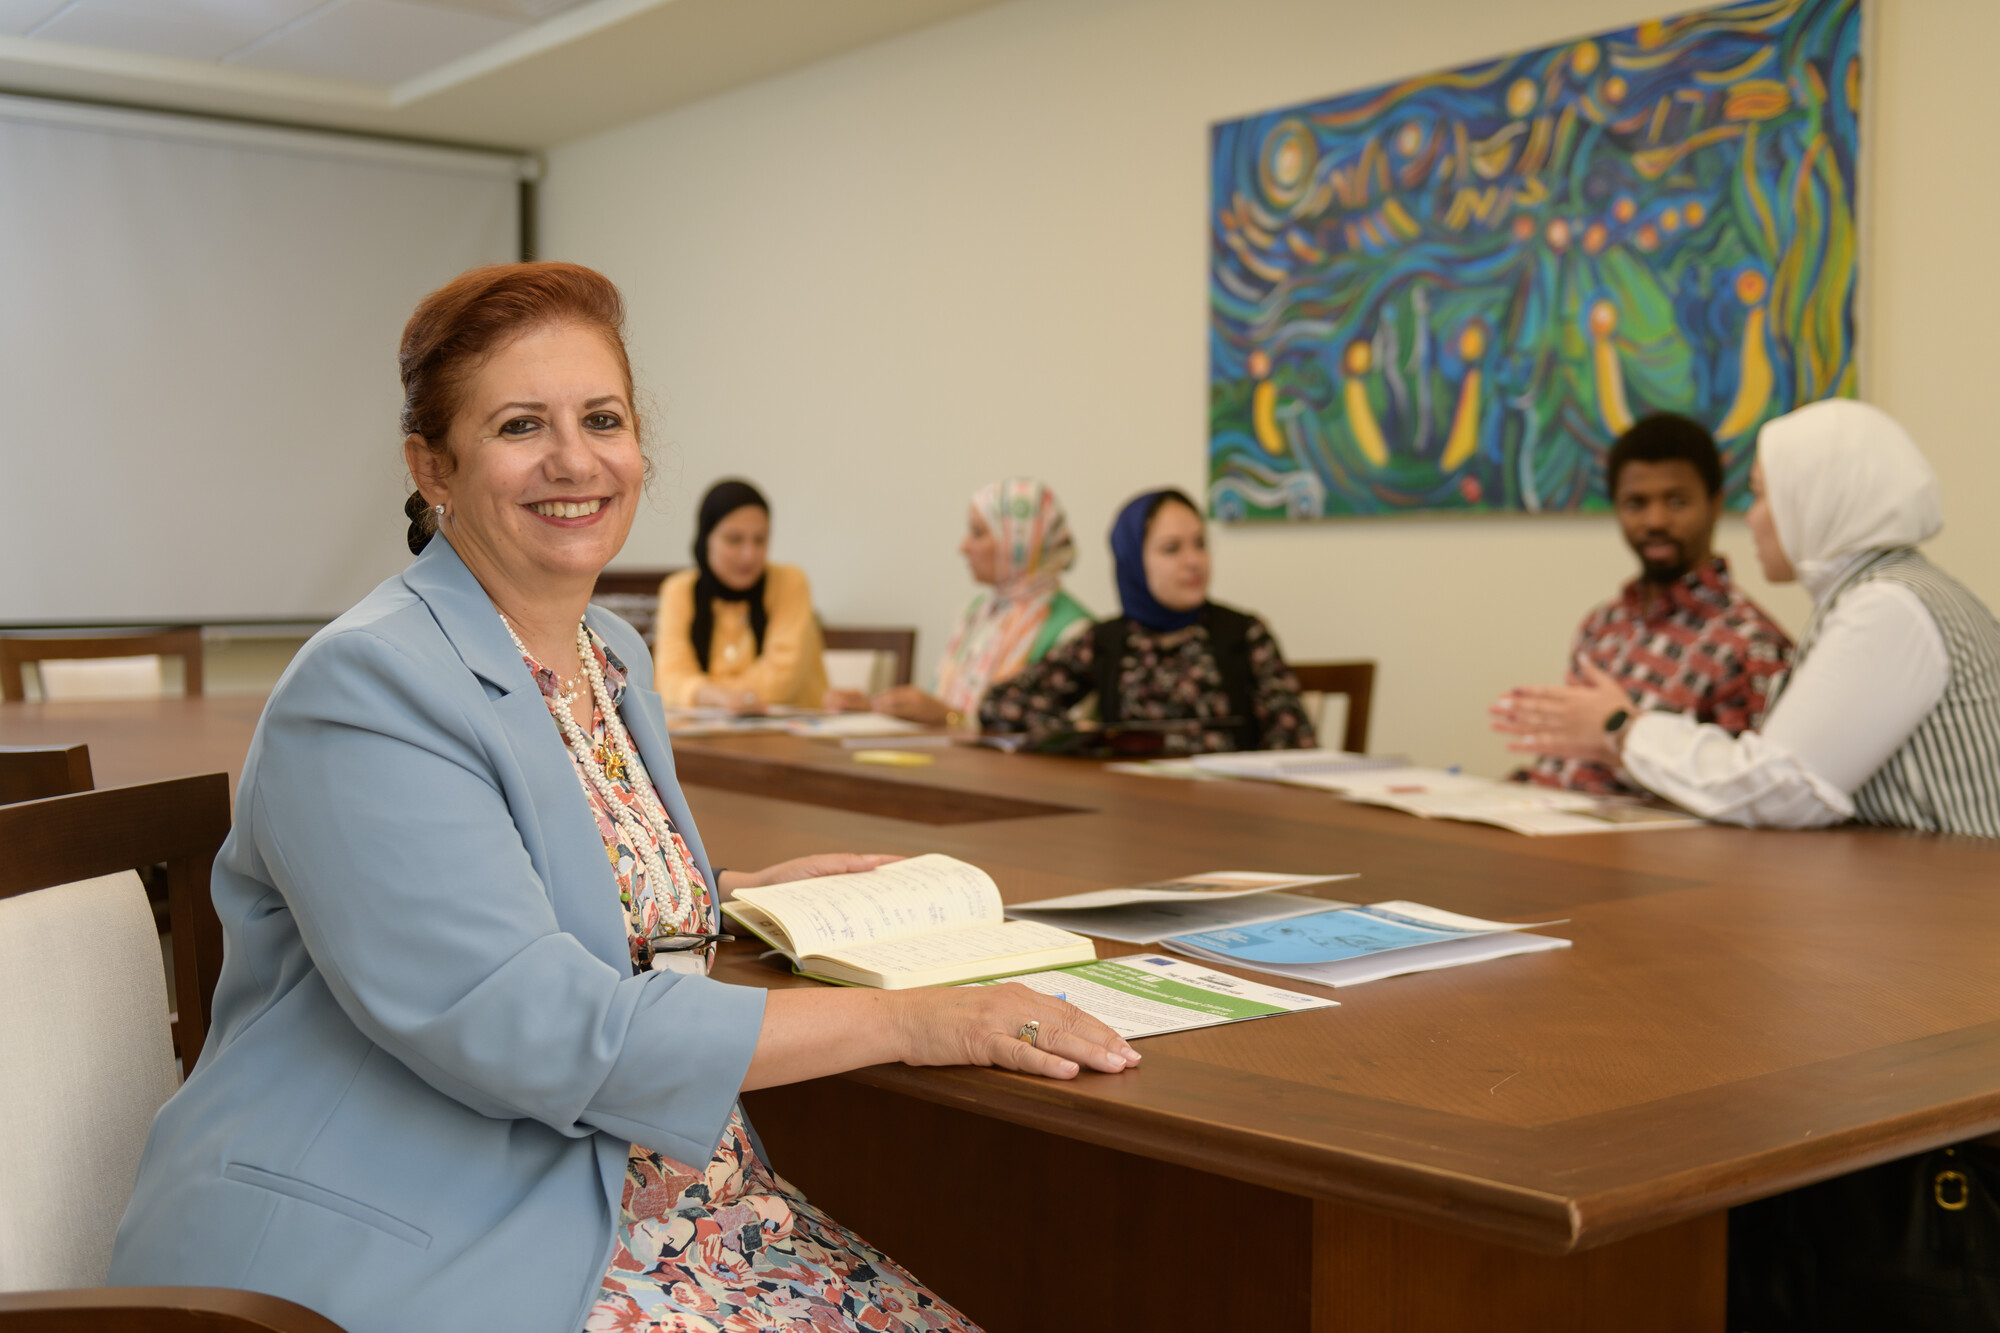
1946,776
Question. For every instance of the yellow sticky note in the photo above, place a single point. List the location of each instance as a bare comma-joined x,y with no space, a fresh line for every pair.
894,758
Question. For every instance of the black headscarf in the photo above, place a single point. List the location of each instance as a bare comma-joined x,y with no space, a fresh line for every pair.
723,499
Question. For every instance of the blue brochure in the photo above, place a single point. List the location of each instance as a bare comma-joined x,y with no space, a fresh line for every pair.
1326,937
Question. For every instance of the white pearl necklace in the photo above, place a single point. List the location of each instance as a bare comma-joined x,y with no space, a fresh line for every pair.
670,879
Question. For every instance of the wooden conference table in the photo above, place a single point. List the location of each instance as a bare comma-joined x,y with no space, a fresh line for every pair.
1544,1142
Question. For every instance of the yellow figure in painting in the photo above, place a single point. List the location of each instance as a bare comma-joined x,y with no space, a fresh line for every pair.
1464,437
1360,412
1753,387
1264,406
1611,404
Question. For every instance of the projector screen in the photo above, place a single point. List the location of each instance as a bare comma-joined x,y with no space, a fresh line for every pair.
198,325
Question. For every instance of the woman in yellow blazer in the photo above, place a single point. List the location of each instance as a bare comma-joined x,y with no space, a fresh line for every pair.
737,631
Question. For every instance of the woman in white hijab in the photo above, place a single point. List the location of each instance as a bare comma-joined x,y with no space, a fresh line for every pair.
1892,712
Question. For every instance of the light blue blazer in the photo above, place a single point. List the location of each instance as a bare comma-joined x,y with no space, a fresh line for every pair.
429,1055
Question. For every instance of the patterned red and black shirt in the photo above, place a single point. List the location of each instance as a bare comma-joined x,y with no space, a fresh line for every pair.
1699,647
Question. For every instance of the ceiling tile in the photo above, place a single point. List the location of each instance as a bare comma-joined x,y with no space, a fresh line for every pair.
649,56
17,16
188,29
379,41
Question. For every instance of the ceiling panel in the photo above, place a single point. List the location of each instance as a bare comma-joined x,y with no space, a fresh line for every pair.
379,41
531,10
17,16
188,29
486,72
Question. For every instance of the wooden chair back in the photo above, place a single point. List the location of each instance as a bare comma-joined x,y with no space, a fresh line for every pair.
156,1310
180,822
18,647
635,582
635,595
900,644
31,772
1356,680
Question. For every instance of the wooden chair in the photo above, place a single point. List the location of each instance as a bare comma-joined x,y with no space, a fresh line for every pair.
21,646
86,1047
31,772
900,644
179,823
1356,680
633,594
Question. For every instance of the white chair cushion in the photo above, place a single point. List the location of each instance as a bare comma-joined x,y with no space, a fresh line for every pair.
862,669
103,677
88,1057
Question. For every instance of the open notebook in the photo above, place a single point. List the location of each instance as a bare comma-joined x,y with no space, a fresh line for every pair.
928,921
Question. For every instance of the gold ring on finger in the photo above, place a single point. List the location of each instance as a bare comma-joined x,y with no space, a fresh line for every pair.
1029,1031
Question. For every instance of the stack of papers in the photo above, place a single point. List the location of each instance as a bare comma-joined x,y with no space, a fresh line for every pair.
1146,995
1184,769
1357,944
851,724
1147,912
718,722
1521,807
782,718
1292,765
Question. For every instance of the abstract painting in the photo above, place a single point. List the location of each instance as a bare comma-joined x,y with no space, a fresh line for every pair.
1454,292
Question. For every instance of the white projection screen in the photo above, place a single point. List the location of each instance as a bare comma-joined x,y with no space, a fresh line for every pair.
198,326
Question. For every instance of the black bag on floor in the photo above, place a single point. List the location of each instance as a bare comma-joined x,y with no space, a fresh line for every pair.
1911,1246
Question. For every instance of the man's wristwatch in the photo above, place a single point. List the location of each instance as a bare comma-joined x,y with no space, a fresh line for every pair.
1614,730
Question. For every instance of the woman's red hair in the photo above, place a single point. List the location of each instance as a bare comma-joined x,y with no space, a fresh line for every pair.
458,326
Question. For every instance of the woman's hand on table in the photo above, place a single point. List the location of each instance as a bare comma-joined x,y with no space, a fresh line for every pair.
805,867
1564,720
844,701
981,1025
912,705
814,1031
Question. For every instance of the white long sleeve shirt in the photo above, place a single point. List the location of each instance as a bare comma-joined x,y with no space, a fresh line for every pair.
1876,670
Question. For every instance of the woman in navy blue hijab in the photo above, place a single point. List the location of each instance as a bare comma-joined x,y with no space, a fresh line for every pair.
1174,656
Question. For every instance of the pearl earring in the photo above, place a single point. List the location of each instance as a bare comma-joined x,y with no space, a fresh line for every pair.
440,510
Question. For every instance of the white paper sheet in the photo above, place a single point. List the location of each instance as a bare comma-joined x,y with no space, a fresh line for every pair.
1291,765
851,724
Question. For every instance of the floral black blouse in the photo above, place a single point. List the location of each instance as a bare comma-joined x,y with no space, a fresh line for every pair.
1163,676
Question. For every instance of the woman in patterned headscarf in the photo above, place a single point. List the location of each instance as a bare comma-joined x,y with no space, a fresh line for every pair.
1018,542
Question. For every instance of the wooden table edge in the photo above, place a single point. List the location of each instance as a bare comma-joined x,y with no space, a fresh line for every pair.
1524,1218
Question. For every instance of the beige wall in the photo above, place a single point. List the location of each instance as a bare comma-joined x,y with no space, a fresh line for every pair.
876,283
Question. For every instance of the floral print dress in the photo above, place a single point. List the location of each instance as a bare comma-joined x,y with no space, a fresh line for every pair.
729,1246
1162,676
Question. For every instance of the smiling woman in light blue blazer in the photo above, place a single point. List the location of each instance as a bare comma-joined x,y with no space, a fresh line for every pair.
437,1044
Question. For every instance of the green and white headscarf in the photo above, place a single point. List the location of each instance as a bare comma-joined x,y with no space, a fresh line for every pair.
1032,548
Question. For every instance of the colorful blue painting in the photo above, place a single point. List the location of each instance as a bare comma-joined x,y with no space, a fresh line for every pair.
1454,292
